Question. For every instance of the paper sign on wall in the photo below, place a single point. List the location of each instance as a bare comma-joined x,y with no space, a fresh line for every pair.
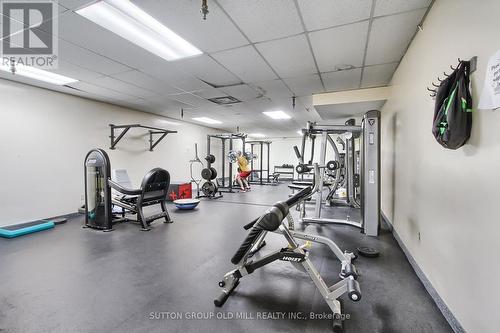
490,98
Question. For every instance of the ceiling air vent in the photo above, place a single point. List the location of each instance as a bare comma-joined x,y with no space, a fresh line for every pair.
224,100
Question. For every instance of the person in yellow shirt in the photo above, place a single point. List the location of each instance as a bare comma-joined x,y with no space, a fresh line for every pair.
244,170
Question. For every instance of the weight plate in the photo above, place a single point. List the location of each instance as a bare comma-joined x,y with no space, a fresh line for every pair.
209,189
368,252
214,173
206,174
332,165
59,220
210,158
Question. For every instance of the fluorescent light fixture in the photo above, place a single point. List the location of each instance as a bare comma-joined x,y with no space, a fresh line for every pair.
300,132
276,114
127,20
257,135
207,120
39,74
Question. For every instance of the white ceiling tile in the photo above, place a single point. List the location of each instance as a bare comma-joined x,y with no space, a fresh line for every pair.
387,7
305,85
390,36
215,33
263,20
164,103
342,80
74,4
122,87
101,91
246,63
242,92
89,60
339,46
273,89
205,68
75,72
190,99
147,82
209,93
378,75
170,73
289,57
320,14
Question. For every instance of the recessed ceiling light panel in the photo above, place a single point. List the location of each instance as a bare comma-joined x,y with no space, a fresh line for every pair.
207,120
257,135
276,114
39,74
127,20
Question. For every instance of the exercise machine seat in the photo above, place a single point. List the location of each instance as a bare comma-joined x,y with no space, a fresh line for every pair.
153,190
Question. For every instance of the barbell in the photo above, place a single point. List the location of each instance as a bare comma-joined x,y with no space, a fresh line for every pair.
232,156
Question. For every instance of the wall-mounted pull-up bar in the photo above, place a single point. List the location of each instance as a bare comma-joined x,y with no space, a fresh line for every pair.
152,131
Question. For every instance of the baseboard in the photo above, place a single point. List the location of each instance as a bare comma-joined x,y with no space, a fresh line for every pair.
448,315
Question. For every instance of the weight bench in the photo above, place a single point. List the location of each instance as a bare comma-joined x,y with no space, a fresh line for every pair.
153,191
295,253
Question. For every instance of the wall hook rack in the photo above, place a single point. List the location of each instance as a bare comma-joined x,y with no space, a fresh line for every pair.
472,68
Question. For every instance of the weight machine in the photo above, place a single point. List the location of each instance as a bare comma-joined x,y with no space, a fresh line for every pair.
369,178
260,145
99,201
223,186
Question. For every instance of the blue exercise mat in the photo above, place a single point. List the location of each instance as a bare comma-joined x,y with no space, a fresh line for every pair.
21,229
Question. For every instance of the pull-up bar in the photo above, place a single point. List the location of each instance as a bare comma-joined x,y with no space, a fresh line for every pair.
152,131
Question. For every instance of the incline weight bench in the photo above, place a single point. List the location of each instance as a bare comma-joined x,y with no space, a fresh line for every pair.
296,254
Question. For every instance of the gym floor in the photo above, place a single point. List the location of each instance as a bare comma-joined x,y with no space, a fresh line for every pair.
73,280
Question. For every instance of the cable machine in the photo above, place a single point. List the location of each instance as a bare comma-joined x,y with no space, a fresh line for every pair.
369,177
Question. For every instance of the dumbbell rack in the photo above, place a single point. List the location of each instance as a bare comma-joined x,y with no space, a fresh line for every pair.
289,171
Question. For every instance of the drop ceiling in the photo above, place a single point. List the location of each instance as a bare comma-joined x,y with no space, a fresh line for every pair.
261,52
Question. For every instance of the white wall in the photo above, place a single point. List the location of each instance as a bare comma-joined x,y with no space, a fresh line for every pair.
447,197
45,135
282,151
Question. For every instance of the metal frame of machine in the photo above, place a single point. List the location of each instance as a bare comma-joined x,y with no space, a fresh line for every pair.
226,137
369,132
261,170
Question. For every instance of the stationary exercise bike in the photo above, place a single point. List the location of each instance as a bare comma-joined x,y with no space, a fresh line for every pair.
298,255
